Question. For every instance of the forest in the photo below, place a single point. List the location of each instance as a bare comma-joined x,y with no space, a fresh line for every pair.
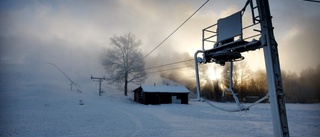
249,85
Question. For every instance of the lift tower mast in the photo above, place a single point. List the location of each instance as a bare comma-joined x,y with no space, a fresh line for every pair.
275,87
100,80
229,45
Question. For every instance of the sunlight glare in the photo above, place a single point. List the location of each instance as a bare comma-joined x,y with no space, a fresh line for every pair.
214,73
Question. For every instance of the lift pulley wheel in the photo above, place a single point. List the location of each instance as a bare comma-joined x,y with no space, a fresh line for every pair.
221,57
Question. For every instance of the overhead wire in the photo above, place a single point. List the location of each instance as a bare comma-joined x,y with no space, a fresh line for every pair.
72,82
173,63
169,64
167,39
312,1
170,69
176,29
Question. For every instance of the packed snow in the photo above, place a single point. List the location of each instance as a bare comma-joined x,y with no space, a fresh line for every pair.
33,106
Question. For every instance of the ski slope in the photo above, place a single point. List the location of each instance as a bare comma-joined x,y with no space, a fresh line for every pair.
32,107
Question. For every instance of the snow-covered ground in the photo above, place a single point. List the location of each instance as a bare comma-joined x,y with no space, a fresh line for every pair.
31,106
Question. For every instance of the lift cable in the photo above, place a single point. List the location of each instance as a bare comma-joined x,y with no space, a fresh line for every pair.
173,63
176,29
312,1
170,69
72,82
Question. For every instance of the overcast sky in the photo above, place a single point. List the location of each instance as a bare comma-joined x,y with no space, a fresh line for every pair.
74,33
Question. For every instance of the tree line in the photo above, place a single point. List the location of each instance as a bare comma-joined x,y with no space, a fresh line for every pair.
250,85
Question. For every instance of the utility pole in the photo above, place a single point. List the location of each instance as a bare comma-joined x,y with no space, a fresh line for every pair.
275,87
100,80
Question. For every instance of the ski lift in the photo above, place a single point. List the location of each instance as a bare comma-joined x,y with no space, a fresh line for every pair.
227,48
230,44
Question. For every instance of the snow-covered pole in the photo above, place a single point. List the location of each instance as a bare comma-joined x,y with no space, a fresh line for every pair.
196,61
275,87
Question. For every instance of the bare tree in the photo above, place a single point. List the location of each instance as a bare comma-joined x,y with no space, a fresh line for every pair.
124,61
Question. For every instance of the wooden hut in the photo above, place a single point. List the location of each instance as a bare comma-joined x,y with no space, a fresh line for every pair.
161,94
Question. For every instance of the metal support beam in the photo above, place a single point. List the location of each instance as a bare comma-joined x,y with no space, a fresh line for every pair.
277,96
196,61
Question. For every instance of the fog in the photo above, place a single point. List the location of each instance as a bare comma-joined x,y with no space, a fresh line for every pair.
74,34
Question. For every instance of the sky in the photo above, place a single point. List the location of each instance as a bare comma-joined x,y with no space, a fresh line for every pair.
73,34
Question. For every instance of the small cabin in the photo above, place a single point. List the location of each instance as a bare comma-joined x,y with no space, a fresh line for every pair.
161,94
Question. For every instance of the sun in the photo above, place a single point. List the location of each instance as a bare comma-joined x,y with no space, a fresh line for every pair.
213,77
214,73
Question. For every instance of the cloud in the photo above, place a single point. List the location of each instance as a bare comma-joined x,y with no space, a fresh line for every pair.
300,45
296,32
67,31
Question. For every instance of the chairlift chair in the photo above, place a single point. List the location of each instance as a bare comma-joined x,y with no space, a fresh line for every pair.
229,41
227,48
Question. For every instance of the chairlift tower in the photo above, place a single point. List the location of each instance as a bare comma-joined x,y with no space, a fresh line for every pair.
230,44
100,81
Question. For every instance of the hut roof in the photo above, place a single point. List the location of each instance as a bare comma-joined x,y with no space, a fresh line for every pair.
164,89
